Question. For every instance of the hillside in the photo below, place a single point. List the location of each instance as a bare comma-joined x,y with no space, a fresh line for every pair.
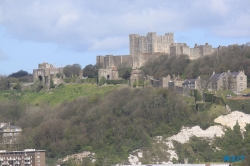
66,92
113,124
112,127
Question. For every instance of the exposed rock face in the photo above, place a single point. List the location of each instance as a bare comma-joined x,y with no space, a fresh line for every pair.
79,156
231,119
184,135
186,132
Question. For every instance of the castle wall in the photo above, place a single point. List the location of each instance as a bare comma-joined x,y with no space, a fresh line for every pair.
109,61
100,60
150,43
194,53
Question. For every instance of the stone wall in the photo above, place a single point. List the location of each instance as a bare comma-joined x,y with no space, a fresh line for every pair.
150,43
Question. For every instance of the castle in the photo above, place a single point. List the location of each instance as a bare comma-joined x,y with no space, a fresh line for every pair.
45,72
151,46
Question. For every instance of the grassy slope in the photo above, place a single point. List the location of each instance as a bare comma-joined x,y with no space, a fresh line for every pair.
56,96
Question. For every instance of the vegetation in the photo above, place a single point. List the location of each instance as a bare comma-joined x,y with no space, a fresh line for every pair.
72,70
56,96
20,73
232,58
114,120
90,71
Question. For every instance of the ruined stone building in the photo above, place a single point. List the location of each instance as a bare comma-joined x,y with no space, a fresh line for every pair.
235,81
110,73
151,46
45,72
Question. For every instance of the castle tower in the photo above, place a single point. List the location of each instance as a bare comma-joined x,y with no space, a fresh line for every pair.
151,43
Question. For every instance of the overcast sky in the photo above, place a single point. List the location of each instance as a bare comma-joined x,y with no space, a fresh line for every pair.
63,32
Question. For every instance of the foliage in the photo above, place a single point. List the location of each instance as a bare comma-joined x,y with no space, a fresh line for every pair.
116,82
62,93
4,83
90,71
102,81
37,86
19,74
72,70
58,75
124,73
90,80
231,58
17,87
165,65
51,84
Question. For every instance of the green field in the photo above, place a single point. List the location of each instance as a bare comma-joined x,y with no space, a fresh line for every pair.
58,95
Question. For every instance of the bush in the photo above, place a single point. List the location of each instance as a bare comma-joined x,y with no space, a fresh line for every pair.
67,80
17,87
89,80
102,81
116,82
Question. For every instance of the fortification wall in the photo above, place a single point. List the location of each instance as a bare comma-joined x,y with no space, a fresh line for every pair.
185,50
207,50
194,53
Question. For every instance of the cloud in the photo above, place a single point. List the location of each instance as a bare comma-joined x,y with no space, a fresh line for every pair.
95,25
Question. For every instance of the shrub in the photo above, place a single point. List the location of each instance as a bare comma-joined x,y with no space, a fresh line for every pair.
102,81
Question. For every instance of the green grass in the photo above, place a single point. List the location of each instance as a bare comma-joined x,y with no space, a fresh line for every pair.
68,92
246,91
224,93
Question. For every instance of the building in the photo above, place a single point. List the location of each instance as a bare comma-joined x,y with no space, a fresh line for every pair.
9,134
192,83
151,43
146,48
109,73
137,77
28,157
234,81
45,72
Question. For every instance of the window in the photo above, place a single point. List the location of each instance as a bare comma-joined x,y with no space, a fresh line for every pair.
38,157
241,78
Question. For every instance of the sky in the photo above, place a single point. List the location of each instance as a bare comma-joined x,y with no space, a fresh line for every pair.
66,32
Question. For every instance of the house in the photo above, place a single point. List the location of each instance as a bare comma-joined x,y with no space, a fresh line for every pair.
27,157
234,81
192,83
9,134
178,81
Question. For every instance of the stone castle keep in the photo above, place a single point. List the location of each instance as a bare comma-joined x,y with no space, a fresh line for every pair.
144,48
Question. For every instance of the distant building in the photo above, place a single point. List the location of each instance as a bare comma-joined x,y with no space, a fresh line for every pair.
234,81
192,83
45,72
9,134
110,73
28,157
136,76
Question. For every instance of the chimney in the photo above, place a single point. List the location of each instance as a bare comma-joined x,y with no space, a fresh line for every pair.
213,72
228,71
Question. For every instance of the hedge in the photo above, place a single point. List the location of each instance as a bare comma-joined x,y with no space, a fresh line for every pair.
116,82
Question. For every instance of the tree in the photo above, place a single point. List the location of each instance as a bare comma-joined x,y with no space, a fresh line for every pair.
126,75
67,70
4,83
20,73
90,71
102,81
76,69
